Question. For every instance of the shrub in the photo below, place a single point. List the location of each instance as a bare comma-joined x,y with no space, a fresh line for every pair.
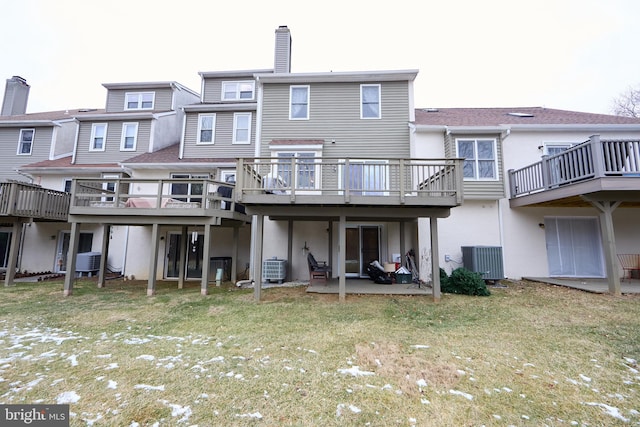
465,282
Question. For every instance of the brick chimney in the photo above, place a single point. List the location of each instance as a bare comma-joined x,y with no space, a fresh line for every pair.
16,94
282,63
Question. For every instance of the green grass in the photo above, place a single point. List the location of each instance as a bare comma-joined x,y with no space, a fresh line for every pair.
530,354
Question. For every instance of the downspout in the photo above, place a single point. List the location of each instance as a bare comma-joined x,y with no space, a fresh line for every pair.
184,129
504,135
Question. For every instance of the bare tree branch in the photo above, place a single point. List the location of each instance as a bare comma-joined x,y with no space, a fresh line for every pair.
628,103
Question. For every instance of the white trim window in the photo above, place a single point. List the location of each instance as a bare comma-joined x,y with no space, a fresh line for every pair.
139,100
66,185
242,128
25,142
235,91
129,139
370,105
206,129
299,102
480,160
98,137
306,169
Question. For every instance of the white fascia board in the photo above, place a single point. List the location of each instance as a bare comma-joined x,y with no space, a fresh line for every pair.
71,171
349,77
577,127
238,74
236,106
118,116
177,166
27,123
140,85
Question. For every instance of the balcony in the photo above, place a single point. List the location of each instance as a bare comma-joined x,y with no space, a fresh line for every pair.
362,182
141,201
593,170
23,200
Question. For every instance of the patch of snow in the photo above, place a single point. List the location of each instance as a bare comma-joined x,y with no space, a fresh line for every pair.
149,387
355,371
112,385
136,341
609,410
146,357
585,378
103,356
111,366
424,401
420,346
256,415
67,397
461,393
421,383
73,359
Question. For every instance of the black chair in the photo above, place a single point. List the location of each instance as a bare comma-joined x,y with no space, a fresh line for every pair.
318,271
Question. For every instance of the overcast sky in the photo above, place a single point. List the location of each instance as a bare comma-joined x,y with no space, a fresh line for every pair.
567,54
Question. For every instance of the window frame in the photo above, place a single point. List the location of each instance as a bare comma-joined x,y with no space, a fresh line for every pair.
238,90
308,103
236,129
477,160
123,136
362,102
194,191
313,153
140,101
92,141
21,141
213,129
366,166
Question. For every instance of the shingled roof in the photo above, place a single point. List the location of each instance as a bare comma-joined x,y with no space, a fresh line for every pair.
52,115
514,116
171,154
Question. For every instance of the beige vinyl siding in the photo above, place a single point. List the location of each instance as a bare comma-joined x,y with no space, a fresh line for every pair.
480,189
11,160
112,153
162,102
334,114
223,146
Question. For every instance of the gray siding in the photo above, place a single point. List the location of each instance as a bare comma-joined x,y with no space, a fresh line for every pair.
334,113
112,153
115,99
223,146
10,160
480,190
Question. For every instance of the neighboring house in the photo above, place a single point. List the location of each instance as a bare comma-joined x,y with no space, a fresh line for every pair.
550,217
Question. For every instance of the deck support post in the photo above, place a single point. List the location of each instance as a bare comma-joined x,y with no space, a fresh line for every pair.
182,271
72,253
435,259
342,258
257,257
10,273
403,249
234,255
290,249
153,262
106,232
206,262
606,209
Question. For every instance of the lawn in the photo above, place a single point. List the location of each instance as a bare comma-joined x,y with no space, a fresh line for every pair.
528,355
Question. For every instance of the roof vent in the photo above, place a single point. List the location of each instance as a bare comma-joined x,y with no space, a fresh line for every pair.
87,110
431,110
520,114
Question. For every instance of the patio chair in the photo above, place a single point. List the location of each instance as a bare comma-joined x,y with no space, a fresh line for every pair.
630,265
318,271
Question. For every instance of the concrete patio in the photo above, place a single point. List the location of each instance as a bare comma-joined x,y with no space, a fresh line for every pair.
599,286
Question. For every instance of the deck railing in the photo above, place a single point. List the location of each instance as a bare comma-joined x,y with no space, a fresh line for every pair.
398,180
591,159
21,199
150,196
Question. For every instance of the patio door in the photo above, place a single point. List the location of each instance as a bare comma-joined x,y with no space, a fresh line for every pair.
5,242
363,247
85,243
194,246
574,247
367,178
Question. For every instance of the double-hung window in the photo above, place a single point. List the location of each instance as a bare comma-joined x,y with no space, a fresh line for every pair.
370,101
479,158
139,100
299,103
206,128
129,137
98,137
25,143
242,128
235,91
